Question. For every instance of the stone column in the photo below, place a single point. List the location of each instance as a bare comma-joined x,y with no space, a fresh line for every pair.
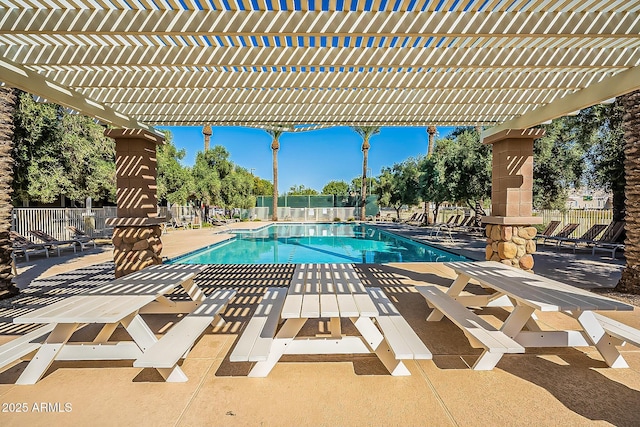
137,231
509,232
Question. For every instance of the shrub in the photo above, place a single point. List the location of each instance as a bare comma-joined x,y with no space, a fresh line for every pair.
336,219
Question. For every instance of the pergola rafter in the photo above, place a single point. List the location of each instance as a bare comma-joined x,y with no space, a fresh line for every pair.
260,62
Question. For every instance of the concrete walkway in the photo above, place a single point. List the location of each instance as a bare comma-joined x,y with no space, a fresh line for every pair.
544,387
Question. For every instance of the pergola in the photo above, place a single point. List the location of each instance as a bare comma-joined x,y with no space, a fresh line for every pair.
509,65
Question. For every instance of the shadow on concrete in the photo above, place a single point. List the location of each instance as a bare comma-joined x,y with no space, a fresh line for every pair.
579,387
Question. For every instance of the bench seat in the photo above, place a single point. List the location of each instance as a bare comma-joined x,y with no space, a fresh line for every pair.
479,331
619,330
174,345
401,338
13,351
255,341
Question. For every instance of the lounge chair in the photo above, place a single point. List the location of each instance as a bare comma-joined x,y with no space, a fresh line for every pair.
196,222
465,223
23,246
418,220
218,220
610,240
588,237
412,217
565,232
551,227
81,237
53,242
175,223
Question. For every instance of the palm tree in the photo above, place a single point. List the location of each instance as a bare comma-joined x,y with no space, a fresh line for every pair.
365,132
630,280
7,106
275,146
431,130
207,132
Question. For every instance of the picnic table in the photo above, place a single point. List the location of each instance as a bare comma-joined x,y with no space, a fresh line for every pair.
333,292
527,293
121,303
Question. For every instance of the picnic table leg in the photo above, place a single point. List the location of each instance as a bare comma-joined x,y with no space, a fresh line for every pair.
287,333
193,290
145,338
600,339
376,341
520,316
335,327
454,290
105,333
47,353
487,361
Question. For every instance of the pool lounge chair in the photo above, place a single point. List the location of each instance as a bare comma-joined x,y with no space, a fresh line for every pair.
610,240
588,237
417,220
548,232
412,217
23,246
81,237
176,223
53,242
565,232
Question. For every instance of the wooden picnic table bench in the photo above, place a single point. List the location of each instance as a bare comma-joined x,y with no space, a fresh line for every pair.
526,293
332,291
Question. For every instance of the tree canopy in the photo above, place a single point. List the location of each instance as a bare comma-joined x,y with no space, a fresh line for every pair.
60,154
301,190
335,187
399,185
175,182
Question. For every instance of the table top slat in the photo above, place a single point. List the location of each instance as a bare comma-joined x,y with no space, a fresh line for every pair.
539,292
88,309
293,303
328,298
346,304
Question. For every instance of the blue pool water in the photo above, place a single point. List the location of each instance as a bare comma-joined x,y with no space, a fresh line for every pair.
316,243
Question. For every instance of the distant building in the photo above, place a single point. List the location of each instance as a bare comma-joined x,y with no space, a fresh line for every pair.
589,199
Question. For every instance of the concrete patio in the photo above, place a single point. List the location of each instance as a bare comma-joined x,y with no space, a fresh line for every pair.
543,387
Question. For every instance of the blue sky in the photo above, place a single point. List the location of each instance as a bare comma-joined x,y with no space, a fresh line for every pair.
309,158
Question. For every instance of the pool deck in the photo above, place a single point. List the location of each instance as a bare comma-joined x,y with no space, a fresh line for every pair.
570,386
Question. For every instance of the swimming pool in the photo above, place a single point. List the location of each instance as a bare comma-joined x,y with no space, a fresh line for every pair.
316,243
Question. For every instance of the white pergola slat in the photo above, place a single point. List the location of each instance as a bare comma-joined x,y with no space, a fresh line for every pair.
321,63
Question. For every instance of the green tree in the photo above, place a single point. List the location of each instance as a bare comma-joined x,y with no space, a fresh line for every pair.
236,189
432,182
466,164
262,187
175,182
210,168
60,154
558,163
366,132
604,138
301,190
399,185
335,187
89,159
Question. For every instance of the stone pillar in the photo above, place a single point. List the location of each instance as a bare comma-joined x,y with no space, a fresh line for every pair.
136,236
509,232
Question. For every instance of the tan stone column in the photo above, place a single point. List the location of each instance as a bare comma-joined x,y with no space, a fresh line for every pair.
509,231
137,231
